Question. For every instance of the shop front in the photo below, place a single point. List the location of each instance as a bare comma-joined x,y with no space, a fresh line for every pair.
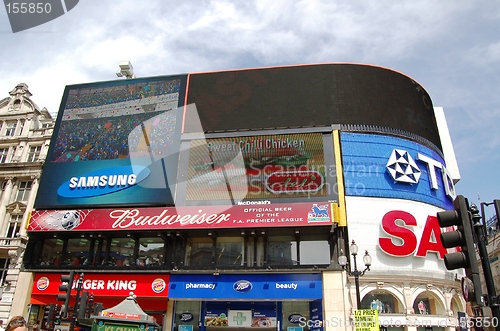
151,291
291,302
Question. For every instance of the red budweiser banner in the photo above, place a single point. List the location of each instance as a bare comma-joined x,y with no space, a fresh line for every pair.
192,217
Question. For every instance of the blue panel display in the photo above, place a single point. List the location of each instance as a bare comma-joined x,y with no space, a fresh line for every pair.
271,287
384,166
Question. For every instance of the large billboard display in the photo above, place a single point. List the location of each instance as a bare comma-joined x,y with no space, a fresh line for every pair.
115,143
391,167
272,167
121,143
311,96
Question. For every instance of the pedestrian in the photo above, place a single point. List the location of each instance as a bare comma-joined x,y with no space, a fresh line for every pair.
1,326
16,323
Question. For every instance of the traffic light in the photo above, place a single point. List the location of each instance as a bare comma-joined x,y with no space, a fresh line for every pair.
66,285
48,315
462,237
57,315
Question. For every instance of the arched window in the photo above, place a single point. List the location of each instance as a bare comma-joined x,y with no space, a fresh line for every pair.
427,303
456,305
383,301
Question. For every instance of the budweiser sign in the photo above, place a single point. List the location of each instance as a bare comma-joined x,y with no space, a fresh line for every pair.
296,214
294,181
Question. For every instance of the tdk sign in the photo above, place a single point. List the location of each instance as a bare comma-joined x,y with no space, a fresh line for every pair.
393,167
404,169
103,181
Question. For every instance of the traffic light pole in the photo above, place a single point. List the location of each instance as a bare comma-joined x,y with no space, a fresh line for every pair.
491,298
76,306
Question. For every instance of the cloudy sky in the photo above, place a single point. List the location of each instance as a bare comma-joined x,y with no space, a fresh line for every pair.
450,47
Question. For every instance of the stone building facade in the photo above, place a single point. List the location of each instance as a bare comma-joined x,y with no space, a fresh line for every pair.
25,132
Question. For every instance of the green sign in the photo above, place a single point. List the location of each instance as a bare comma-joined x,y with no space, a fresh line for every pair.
107,326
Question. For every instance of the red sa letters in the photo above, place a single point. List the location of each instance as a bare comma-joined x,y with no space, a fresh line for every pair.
396,224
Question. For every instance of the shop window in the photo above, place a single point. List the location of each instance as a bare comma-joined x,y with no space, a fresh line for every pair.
33,315
427,304
282,251
52,252
151,251
199,252
383,301
121,252
187,313
229,251
314,252
294,308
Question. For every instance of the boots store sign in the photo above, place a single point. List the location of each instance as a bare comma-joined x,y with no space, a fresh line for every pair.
390,167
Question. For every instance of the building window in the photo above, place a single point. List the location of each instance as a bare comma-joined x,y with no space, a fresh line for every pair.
199,252
151,251
34,153
427,304
122,252
24,191
383,301
15,223
282,251
16,104
52,252
77,252
10,129
4,268
229,251
4,153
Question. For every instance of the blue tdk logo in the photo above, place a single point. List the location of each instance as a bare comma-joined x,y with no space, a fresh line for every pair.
103,181
26,14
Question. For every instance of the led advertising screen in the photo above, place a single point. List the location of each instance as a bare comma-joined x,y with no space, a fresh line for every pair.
115,143
268,167
393,167
311,96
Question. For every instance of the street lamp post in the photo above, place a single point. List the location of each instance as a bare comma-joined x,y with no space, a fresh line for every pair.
367,259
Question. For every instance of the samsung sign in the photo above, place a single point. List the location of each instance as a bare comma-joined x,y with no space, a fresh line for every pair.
103,181
385,166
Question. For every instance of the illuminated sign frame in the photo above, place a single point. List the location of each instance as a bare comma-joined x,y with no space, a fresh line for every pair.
115,143
250,170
